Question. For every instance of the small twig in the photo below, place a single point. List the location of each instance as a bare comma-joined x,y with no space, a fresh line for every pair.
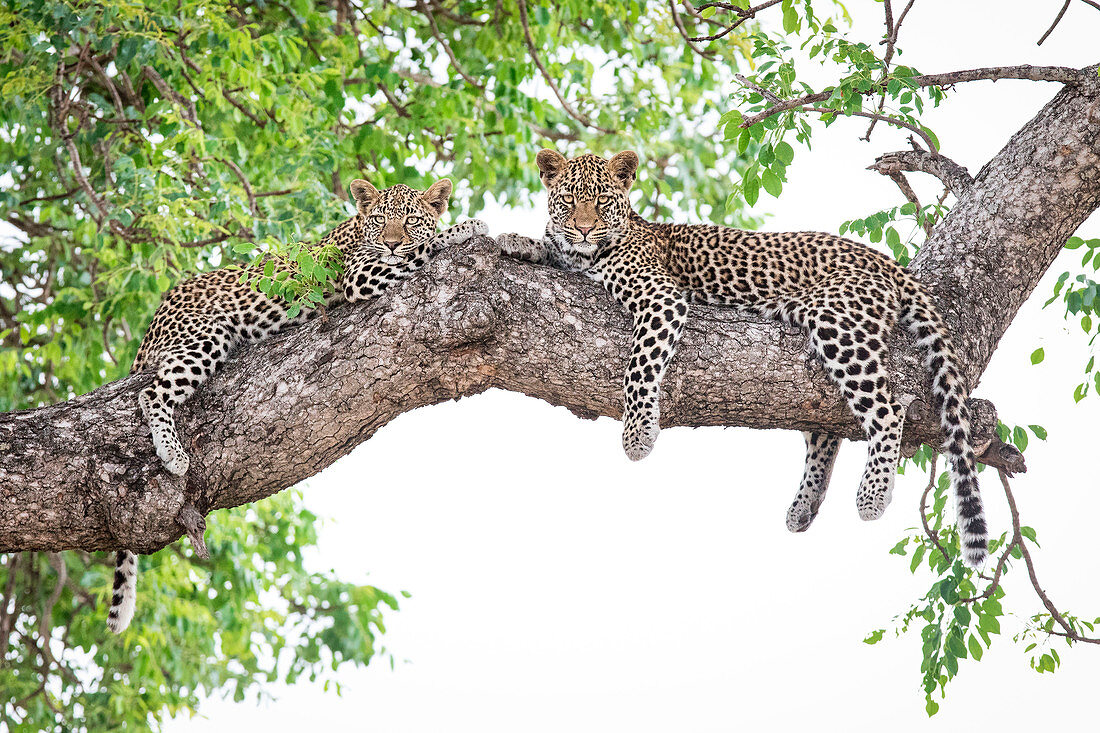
679,22
401,110
423,8
163,87
744,15
891,39
533,50
924,500
7,618
1070,633
911,195
244,110
1057,20
244,182
885,118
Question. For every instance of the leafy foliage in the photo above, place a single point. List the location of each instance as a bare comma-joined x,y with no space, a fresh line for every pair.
960,614
146,141
251,615
1081,295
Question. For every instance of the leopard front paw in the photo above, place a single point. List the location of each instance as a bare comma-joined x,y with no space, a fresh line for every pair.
639,435
800,515
871,503
509,245
177,463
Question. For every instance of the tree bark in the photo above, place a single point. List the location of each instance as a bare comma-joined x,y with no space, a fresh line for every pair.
82,474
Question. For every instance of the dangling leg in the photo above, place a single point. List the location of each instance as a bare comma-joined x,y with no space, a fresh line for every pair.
821,450
180,373
660,312
852,347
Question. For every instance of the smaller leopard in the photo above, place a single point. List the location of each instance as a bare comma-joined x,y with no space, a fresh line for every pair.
846,296
202,320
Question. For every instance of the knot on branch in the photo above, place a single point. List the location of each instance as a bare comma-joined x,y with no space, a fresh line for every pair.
194,524
462,287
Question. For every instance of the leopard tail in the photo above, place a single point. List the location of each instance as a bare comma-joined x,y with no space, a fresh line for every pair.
920,316
124,595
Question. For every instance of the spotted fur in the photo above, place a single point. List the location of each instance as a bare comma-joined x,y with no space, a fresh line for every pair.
202,320
847,297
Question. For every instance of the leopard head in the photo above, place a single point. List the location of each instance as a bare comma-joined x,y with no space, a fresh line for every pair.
588,196
397,220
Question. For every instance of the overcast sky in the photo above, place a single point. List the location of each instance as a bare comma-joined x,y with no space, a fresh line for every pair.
557,586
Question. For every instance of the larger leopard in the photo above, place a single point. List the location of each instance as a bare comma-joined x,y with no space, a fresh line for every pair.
202,320
847,297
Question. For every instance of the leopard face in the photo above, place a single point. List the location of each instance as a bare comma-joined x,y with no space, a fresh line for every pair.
588,196
397,220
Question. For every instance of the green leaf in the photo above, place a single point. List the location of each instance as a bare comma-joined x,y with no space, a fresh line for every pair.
1074,242
1019,437
975,647
784,153
1037,355
771,183
874,637
1039,430
751,187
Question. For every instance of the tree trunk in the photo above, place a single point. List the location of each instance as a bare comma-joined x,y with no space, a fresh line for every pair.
83,474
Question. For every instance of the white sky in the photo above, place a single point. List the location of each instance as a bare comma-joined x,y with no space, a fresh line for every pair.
558,586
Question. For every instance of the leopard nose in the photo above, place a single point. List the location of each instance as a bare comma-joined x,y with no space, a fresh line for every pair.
391,243
584,230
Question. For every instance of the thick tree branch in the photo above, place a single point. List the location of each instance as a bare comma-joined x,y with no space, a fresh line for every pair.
82,474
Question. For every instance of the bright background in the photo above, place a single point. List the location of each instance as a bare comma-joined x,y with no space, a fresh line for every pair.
555,585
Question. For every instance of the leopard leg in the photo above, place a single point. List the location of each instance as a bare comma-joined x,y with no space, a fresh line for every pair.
659,311
179,373
852,348
821,451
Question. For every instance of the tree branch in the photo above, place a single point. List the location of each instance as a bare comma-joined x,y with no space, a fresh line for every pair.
427,12
953,175
1061,74
82,474
533,50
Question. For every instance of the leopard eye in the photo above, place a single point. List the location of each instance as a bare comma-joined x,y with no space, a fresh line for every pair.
603,200
413,220
567,199
377,219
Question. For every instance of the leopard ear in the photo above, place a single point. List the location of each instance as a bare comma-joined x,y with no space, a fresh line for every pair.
363,194
623,167
437,195
551,163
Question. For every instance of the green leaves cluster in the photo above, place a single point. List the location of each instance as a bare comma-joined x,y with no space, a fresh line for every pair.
867,83
901,227
229,626
956,618
1081,295
204,131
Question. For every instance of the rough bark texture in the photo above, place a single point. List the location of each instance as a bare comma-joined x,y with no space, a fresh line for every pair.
83,474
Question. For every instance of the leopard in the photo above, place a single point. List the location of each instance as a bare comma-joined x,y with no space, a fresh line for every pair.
847,297
203,320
